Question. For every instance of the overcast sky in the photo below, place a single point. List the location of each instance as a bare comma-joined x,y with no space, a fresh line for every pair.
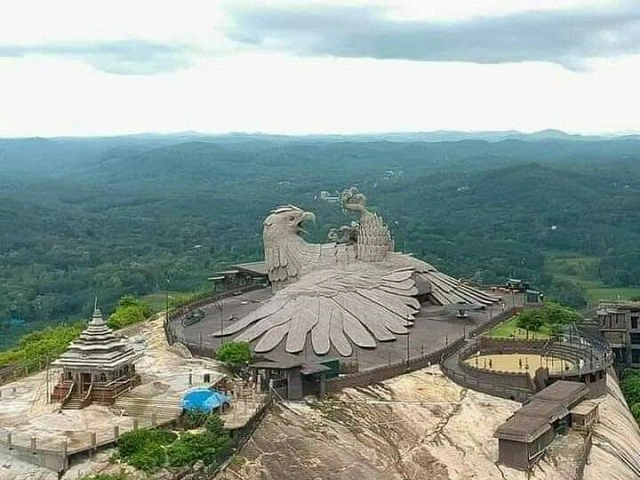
96,67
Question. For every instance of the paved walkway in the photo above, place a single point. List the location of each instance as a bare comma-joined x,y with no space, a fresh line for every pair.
434,328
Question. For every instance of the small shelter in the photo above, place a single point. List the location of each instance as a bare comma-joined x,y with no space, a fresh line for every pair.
292,377
241,275
552,411
567,393
524,437
585,415
97,367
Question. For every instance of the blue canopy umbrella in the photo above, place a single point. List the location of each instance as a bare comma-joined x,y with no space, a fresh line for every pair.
204,400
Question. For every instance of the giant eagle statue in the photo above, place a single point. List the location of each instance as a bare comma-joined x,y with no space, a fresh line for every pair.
354,290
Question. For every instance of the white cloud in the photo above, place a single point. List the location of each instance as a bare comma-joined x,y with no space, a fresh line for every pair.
228,87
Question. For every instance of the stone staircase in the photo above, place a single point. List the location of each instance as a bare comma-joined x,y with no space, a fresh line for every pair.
74,403
164,409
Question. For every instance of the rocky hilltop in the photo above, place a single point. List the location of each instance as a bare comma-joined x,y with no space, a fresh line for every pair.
422,425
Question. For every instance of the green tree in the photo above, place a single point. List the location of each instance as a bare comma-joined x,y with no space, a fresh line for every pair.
567,293
551,315
37,348
234,354
630,385
130,310
531,320
211,446
556,314
144,449
635,410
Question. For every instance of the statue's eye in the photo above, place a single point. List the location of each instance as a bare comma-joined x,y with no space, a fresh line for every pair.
292,218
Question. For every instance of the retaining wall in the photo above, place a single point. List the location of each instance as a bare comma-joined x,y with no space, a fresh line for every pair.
177,314
515,380
385,372
520,385
501,389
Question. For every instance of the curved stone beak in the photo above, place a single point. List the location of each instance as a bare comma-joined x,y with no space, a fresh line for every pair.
310,217
306,216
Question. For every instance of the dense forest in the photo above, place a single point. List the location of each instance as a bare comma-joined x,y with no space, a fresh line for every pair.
115,216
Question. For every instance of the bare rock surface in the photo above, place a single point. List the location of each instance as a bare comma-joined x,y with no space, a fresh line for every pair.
13,469
25,412
615,454
414,427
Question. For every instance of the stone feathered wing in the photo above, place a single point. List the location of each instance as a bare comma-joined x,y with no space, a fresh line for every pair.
442,288
335,308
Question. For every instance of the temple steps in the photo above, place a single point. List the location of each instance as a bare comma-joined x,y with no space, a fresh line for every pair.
74,403
164,409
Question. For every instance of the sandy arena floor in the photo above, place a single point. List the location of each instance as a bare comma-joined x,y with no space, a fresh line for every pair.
518,362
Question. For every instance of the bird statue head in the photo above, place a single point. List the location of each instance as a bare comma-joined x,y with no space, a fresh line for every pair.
287,221
284,246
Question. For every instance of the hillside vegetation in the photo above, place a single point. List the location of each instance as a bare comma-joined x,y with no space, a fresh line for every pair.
117,216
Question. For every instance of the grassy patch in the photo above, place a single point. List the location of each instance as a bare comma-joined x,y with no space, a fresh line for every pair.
157,301
580,269
598,293
37,348
510,329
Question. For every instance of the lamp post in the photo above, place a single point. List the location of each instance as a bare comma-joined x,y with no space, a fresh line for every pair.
47,376
220,306
166,297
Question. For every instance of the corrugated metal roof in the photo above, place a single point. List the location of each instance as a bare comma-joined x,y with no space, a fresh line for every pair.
523,428
257,268
563,391
552,411
584,408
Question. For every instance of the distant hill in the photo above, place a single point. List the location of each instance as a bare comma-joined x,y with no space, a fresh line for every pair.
112,215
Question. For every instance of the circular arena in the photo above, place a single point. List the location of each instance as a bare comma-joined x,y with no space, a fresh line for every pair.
518,368
518,362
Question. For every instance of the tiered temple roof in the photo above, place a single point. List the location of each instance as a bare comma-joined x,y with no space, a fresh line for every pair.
97,348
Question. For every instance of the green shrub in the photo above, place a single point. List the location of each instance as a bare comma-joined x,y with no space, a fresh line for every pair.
187,450
149,459
107,476
234,354
39,347
214,425
630,385
9,357
193,419
211,446
635,410
130,310
144,449
131,442
190,448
